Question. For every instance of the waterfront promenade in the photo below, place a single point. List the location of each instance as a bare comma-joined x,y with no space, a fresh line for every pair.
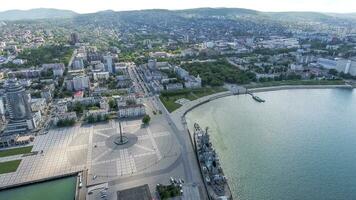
178,116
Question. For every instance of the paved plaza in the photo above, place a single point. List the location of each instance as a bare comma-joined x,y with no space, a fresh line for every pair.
149,149
52,162
92,148
151,155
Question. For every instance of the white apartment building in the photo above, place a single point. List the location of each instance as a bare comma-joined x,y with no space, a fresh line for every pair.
38,105
78,83
101,75
131,111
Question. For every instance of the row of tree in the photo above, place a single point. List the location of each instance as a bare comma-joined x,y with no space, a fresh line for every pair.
65,122
99,118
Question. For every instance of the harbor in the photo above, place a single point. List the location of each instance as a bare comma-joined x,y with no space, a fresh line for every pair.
258,170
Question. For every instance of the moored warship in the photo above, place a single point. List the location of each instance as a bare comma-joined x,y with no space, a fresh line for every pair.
214,179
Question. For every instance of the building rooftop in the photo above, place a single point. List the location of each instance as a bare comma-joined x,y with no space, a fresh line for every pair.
140,192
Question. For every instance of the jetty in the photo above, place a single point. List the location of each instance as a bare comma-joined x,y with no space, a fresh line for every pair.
256,98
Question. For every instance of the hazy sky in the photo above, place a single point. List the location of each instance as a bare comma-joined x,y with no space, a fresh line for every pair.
85,6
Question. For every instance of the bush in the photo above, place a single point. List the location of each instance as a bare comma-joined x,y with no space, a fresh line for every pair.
146,119
93,119
65,122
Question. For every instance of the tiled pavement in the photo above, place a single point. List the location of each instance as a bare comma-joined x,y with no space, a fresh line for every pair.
66,151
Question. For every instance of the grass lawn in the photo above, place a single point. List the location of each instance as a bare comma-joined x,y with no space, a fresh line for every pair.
168,99
169,103
9,166
15,151
208,91
297,82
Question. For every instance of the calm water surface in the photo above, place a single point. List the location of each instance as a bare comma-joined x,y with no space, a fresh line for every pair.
300,144
59,189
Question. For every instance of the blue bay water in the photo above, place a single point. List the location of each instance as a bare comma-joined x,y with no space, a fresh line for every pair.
299,144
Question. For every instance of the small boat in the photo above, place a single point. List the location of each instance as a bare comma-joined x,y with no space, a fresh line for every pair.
258,99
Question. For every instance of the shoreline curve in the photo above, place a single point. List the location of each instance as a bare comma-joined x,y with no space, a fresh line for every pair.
184,109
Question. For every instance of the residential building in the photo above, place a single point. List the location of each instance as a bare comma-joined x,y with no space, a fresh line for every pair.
339,64
182,73
74,38
64,116
193,82
58,68
78,63
108,64
38,104
78,83
47,94
174,86
97,113
101,76
131,111
296,67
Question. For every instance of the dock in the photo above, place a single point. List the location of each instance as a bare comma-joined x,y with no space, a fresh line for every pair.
256,98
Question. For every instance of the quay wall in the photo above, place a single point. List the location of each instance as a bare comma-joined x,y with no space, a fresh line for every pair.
52,178
193,104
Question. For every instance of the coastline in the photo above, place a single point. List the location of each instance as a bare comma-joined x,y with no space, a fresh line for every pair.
184,109
294,87
179,116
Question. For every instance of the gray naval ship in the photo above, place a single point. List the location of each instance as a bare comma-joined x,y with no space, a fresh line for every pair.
214,179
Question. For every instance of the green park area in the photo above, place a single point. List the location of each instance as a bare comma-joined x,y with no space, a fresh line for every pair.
15,151
219,72
44,54
169,98
9,166
168,191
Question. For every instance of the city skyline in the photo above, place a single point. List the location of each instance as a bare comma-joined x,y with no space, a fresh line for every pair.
81,6
199,99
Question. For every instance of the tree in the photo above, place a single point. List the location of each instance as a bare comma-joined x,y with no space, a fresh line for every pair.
130,102
333,72
112,104
146,119
78,108
90,119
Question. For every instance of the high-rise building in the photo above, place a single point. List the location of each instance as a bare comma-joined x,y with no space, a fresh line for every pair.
78,83
78,63
108,64
2,109
74,38
19,108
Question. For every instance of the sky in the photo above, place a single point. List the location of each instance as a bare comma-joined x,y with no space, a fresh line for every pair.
88,6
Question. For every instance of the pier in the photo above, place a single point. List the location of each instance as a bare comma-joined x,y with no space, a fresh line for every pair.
256,98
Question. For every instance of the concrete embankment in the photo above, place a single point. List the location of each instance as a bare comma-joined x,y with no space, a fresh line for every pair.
52,178
293,87
179,119
179,114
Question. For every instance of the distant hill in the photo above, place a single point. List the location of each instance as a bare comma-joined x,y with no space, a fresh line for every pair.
344,15
39,13
204,12
161,14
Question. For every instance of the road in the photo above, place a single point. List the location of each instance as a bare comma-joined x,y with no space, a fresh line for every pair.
140,87
182,141
188,157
